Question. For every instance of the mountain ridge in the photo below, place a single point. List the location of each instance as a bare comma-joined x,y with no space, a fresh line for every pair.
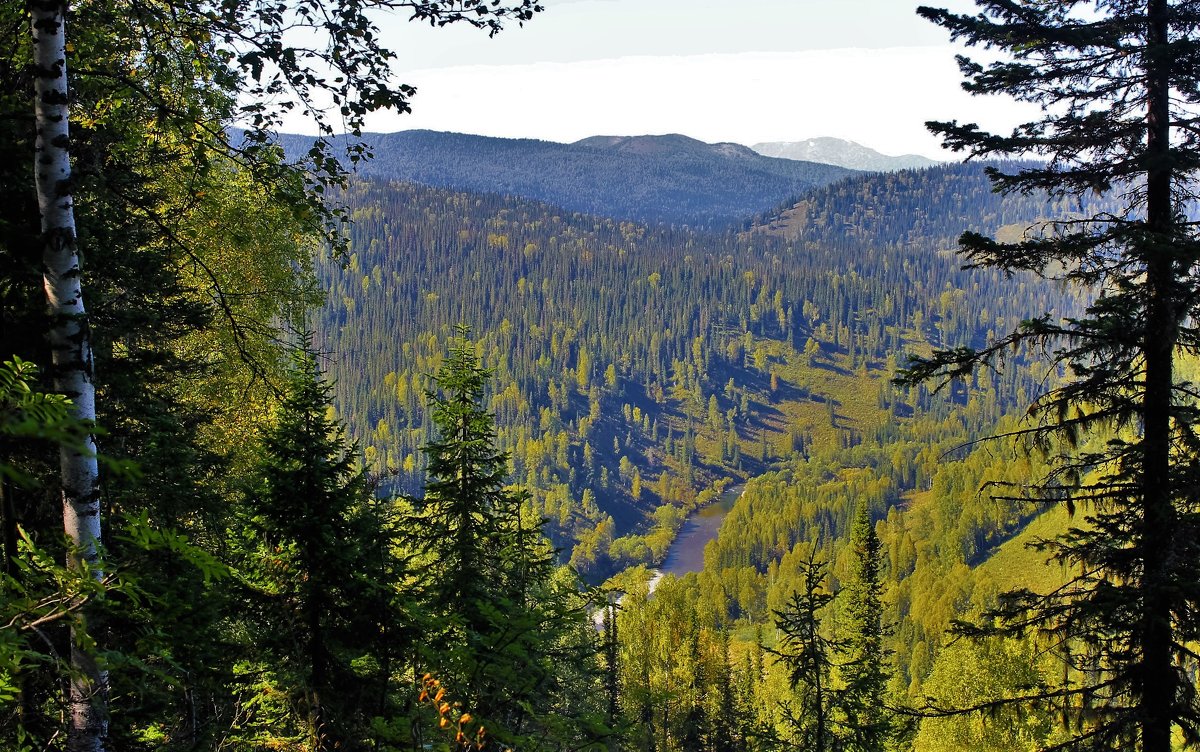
842,153
671,178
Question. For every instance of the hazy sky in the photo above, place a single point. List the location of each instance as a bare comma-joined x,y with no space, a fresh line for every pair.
718,70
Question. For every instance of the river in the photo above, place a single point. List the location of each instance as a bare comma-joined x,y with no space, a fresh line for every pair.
686,553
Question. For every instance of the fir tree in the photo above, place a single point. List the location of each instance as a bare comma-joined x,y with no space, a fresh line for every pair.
1119,85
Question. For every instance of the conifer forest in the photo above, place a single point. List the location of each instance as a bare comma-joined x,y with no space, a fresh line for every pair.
398,442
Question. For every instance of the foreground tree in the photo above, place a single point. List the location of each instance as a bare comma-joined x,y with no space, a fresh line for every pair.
145,115
808,654
70,346
511,632
863,663
324,573
1119,85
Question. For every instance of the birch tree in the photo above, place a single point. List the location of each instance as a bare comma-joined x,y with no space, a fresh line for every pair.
70,348
243,68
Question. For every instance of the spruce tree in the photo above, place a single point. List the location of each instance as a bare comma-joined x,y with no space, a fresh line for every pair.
808,653
863,665
457,522
322,570
1118,84
503,615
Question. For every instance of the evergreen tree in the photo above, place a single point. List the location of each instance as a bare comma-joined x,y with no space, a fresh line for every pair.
863,664
457,522
808,653
322,572
1118,84
157,86
726,720
504,614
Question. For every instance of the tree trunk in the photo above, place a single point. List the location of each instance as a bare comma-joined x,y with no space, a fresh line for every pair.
1158,678
71,350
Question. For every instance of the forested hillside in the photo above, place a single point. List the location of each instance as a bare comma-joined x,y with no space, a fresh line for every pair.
300,459
672,179
769,358
637,365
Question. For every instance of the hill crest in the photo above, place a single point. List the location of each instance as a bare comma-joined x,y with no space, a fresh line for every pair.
670,179
841,152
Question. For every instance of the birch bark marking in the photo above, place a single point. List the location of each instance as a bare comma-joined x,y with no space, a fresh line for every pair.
70,346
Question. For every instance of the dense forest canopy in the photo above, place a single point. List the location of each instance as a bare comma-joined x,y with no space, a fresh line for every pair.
672,178
765,345
386,460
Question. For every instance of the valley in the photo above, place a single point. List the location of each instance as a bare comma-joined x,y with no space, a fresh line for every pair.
634,365
548,426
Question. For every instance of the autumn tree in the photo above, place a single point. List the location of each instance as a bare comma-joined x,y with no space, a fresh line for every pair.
1118,85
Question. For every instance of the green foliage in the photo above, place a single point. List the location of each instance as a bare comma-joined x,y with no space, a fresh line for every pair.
965,699
196,238
863,664
732,316
1116,90
509,630
26,413
458,522
808,655
321,571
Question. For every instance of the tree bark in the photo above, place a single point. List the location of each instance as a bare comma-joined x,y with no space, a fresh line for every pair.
1158,678
70,347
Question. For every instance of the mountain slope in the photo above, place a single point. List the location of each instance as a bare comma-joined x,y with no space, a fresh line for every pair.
671,179
836,151
637,364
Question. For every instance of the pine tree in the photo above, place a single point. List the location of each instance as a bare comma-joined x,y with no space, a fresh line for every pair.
1118,84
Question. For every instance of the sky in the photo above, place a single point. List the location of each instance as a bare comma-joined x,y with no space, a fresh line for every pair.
744,71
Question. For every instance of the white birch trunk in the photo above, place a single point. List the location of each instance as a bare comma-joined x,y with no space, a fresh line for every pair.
71,350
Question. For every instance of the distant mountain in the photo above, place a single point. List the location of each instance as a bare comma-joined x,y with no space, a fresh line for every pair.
672,178
836,151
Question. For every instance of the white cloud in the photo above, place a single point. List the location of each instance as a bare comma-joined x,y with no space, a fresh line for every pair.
878,97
